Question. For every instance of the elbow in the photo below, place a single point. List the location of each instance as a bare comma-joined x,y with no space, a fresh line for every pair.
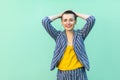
93,18
46,20
43,20
90,19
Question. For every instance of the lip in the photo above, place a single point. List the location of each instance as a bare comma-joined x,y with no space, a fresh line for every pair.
69,26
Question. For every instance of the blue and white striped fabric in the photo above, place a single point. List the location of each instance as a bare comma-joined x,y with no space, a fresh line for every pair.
61,41
77,74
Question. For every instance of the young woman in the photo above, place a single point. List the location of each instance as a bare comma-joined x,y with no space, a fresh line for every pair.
69,55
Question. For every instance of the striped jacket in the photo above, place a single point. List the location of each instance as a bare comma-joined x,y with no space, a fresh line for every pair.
61,41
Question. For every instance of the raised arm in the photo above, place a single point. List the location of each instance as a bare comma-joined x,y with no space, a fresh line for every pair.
88,26
83,16
46,22
52,18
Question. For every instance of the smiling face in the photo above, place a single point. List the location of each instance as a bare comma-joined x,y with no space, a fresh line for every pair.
68,21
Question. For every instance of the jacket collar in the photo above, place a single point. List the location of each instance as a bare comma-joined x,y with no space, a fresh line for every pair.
65,36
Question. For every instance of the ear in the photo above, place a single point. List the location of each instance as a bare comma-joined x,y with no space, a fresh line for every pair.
61,22
76,21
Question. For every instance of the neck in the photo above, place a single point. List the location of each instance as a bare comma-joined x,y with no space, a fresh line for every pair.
69,35
69,32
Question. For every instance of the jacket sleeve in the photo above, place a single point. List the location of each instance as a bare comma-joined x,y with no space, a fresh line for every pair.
87,27
46,22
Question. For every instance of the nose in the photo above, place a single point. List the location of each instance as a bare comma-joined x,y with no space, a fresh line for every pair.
68,22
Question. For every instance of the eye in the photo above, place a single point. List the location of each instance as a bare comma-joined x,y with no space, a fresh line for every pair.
64,20
71,20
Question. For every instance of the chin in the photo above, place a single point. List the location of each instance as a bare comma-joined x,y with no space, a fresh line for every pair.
68,29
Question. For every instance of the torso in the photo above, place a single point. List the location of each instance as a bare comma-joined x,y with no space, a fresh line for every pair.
70,38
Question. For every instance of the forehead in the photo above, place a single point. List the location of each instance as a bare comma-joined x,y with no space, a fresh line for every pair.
67,16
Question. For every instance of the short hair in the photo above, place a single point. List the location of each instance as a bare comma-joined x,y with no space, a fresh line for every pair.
69,12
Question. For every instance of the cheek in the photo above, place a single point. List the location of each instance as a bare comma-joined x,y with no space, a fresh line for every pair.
72,23
63,23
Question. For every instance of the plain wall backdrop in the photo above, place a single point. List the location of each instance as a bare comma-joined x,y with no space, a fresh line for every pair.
26,49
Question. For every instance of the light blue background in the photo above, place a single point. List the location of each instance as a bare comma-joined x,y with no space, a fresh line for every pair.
26,49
